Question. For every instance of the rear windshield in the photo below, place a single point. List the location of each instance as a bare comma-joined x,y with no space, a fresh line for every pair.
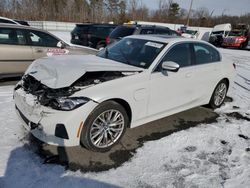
122,31
81,29
22,22
101,30
6,21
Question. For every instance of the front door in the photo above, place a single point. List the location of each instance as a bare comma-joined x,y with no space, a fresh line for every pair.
172,90
43,44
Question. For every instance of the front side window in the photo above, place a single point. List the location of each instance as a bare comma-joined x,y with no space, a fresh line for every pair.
205,54
136,52
179,54
38,38
12,36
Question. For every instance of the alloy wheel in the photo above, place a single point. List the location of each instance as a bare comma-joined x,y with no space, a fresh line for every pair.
107,128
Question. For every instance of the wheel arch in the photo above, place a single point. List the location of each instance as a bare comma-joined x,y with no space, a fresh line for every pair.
227,81
125,105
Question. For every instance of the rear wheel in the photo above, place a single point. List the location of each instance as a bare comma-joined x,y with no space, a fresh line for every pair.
219,94
99,46
104,127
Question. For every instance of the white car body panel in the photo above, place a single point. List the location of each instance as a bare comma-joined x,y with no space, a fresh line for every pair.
54,75
150,95
48,118
222,27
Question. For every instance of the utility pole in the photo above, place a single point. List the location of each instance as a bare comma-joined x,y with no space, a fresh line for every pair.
189,12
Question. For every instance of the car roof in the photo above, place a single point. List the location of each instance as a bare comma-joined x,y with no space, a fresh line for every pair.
4,25
143,26
163,38
20,27
96,24
4,18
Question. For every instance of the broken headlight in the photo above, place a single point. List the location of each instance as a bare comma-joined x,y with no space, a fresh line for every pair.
67,104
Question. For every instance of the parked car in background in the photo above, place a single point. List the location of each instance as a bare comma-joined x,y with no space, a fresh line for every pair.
134,29
20,45
218,33
238,37
92,35
137,80
192,34
248,45
13,21
200,33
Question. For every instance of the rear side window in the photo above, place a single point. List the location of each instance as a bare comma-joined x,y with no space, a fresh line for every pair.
12,36
122,31
205,54
42,39
179,54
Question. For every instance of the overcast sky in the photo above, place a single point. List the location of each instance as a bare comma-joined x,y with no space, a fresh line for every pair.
230,7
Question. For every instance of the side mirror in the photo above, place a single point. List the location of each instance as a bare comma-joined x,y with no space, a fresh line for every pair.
170,66
61,44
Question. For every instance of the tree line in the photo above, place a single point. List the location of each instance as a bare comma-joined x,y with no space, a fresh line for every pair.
118,11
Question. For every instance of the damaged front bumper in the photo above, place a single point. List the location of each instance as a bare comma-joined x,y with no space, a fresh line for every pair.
61,128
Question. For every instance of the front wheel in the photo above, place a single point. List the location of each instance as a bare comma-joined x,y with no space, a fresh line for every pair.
219,94
104,127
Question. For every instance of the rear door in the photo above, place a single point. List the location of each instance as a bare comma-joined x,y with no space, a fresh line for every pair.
15,54
207,69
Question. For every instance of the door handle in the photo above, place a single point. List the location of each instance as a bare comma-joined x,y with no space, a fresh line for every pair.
39,51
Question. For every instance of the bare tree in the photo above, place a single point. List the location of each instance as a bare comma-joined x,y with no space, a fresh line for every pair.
118,11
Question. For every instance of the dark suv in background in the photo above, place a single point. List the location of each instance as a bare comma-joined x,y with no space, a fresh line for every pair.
92,35
126,30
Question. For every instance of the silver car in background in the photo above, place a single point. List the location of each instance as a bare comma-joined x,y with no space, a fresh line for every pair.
21,45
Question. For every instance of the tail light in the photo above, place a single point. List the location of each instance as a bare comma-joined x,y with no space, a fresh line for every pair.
107,40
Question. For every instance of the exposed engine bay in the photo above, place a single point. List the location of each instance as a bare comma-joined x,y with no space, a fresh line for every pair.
49,97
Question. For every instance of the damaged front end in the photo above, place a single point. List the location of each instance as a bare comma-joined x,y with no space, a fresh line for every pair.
61,98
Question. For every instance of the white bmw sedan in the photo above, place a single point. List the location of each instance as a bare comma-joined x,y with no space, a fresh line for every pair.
90,100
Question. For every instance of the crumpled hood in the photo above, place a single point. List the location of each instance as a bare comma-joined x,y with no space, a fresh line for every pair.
61,71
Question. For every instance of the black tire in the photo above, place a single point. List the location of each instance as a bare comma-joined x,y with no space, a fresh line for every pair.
241,47
100,45
99,110
213,103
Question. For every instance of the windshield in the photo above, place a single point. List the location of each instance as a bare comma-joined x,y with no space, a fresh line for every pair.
136,52
218,32
235,33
